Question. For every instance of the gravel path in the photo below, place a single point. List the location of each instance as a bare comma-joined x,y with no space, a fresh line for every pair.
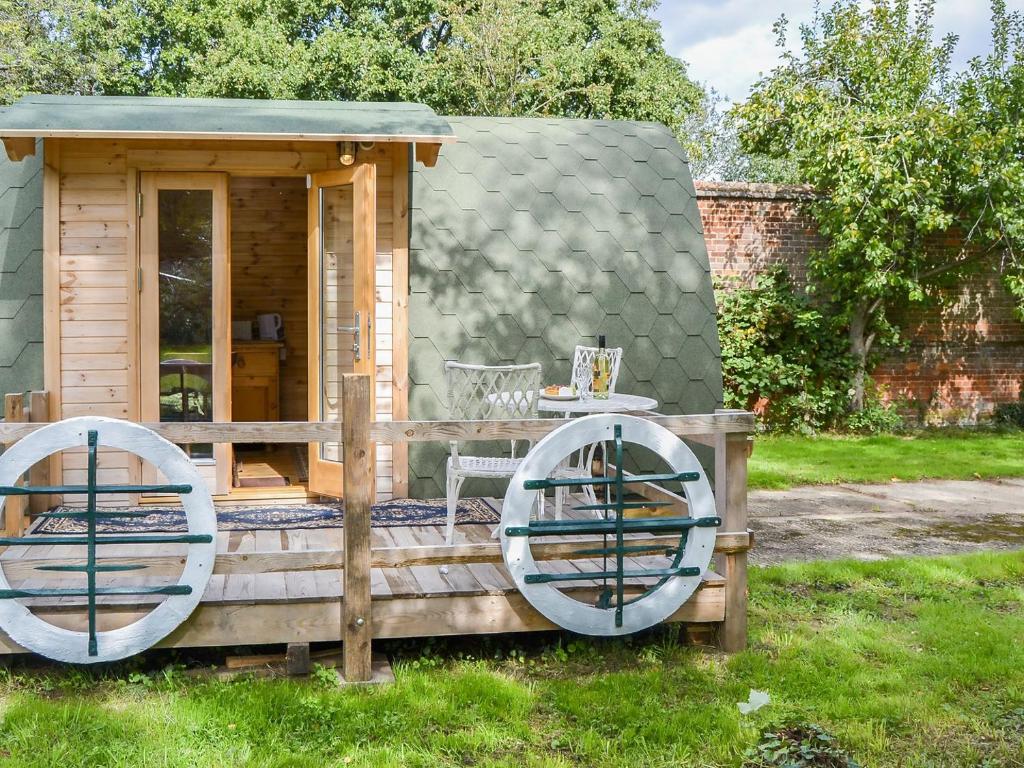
868,522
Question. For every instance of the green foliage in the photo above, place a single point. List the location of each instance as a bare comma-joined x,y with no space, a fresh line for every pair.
901,152
568,58
37,51
877,417
1011,414
725,158
781,356
988,169
798,746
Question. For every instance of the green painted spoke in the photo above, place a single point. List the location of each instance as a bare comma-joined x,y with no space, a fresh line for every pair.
155,538
93,592
653,525
86,568
38,490
547,578
90,570
563,482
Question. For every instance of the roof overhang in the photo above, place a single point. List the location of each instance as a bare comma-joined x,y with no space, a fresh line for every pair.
145,117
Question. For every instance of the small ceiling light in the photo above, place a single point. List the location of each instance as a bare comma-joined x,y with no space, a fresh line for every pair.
346,152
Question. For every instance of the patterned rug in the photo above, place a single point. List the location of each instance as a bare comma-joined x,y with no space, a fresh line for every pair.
388,514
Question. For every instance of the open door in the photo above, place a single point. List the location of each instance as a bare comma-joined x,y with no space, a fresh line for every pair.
342,246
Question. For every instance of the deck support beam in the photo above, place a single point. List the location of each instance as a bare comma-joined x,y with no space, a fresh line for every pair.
356,619
296,659
14,506
731,454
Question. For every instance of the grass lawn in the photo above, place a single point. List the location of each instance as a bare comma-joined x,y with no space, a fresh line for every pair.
788,460
916,662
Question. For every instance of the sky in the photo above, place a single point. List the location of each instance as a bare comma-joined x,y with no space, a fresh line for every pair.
727,44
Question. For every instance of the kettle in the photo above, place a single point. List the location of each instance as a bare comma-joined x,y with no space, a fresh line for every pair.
271,326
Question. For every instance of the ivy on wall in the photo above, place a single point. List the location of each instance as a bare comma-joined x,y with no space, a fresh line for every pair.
781,356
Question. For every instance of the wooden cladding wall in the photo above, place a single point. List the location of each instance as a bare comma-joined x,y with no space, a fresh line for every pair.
96,308
268,271
90,302
384,320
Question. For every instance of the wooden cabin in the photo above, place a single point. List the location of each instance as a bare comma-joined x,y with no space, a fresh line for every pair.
190,246
213,268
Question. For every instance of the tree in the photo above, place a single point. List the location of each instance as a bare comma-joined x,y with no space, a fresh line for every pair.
570,58
900,150
988,171
36,51
724,158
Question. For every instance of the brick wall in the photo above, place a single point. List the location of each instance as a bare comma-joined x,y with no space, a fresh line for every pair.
962,358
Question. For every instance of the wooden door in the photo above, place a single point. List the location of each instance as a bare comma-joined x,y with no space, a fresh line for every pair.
342,246
185,308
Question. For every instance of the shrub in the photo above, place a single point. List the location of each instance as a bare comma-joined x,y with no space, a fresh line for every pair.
798,746
782,357
1011,414
877,416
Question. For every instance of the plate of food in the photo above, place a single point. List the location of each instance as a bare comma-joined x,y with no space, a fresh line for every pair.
557,392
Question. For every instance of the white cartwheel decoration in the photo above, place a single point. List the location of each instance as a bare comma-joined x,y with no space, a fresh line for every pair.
39,636
689,561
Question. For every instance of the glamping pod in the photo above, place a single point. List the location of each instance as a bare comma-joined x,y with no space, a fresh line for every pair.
237,275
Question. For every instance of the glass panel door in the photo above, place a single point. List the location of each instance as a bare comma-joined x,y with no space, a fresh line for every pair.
183,328
185,294
341,273
341,329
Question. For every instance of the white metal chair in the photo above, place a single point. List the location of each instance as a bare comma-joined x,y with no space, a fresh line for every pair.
583,381
486,392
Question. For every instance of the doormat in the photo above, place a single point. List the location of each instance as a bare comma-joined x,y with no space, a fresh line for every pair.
387,514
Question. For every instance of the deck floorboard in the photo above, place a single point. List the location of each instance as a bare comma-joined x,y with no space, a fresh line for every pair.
427,581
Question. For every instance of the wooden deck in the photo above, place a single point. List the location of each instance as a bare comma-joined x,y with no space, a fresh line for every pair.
303,606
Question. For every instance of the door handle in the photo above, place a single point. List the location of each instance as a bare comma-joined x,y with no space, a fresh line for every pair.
356,331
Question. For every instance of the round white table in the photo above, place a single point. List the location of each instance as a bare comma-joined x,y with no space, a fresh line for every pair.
616,403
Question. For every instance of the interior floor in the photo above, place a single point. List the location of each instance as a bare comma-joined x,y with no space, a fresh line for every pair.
270,466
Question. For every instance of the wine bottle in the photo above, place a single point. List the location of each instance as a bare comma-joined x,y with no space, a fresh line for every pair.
602,371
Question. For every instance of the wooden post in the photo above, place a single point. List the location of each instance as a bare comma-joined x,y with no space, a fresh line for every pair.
358,489
731,501
14,506
296,660
39,412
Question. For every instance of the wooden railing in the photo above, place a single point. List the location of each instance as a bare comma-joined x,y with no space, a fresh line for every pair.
727,431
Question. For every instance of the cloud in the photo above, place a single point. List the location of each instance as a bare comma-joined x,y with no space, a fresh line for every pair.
728,44
731,63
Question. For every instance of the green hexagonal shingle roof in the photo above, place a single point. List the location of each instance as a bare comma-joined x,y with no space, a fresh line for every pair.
563,229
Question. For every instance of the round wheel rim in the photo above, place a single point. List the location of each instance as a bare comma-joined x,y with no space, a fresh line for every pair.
39,636
666,597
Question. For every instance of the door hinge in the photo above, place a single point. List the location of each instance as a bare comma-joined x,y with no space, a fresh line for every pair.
309,181
138,204
138,279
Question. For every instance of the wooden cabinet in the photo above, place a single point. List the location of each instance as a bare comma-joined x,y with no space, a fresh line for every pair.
256,380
